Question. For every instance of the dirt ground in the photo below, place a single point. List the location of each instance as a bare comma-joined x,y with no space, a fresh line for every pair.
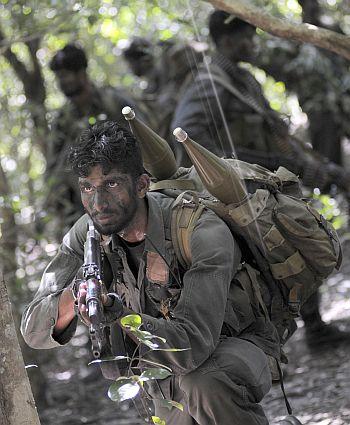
317,382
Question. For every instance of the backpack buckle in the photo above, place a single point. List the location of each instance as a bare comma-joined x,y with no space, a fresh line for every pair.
294,300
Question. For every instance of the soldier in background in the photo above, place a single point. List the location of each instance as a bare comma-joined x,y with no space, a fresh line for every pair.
225,110
86,103
167,75
180,64
142,62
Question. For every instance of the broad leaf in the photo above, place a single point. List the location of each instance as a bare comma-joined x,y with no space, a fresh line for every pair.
143,360
169,404
155,373
156,420
109,359
172,349
132,320
123,389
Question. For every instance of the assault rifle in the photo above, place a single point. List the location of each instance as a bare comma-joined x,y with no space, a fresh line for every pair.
101,316
95,289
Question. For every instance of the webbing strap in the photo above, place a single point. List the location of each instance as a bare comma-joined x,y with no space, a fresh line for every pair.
288,406
294,299
256,289
180,184
183,220
292,266
232,89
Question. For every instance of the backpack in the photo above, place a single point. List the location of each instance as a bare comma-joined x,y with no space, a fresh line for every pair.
288,247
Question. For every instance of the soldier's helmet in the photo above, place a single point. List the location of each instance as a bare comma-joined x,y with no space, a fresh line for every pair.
72,58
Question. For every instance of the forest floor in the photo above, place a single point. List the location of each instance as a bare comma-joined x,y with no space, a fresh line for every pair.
316,381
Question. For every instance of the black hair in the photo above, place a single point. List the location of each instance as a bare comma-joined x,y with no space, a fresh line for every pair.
109,145
71,57
222,23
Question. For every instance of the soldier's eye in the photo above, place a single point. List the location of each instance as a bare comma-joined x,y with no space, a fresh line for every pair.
112,184
86,188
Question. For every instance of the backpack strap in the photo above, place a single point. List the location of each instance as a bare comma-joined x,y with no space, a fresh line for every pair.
185,215
180,184
219,76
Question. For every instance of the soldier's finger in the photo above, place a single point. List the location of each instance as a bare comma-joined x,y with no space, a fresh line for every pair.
84,314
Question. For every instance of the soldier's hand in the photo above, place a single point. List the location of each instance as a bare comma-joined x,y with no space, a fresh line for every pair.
81,303
113,305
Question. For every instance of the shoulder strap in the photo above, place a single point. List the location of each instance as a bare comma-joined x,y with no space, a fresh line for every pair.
221,78
185,215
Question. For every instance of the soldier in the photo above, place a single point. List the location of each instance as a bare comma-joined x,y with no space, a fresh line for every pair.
227,350
180,64
85,104
142,62
225,110
167,76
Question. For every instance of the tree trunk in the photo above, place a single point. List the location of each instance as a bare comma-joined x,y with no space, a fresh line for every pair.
307,33
17,406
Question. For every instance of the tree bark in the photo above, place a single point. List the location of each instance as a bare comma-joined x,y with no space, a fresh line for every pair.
307,33
17,406
8,239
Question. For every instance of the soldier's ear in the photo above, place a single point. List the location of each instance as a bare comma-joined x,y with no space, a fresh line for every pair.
142,185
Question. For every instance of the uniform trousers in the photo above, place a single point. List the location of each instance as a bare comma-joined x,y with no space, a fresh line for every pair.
225,390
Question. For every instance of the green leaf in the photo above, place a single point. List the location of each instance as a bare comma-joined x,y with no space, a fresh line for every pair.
156,420
132,320
169,404
155,373
172,350
150,344
109,359
124,389
143,360
144,337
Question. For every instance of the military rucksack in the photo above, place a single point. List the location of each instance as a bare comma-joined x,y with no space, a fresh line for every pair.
288,247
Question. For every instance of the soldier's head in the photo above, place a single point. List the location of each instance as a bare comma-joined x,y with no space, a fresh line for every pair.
139,56
232,37
69,65
107,159
181,59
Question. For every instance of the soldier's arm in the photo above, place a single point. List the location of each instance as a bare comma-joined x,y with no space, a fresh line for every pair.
51,313
200,113
199,314
65,313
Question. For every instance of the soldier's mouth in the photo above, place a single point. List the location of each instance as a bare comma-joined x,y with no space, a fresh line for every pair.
104,218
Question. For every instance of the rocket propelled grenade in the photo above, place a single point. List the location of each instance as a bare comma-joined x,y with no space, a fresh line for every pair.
218,176
158,158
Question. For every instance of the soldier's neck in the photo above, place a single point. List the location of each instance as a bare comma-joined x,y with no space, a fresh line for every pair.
84,101
136,230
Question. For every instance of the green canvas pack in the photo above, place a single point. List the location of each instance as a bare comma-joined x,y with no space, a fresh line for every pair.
288,247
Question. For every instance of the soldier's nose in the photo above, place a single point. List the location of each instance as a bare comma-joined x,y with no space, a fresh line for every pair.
100,202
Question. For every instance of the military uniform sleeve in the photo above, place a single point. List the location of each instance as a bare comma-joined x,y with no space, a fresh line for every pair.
199,314
40,316
200,114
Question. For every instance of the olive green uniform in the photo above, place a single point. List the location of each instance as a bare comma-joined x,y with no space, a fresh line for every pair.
243,125
225,373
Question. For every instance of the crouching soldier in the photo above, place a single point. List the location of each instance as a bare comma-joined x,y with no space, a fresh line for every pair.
224,372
